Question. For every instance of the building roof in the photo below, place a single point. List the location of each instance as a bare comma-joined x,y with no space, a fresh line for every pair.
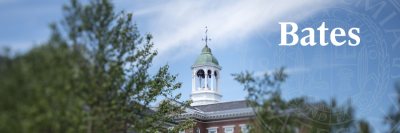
217,111
206,58
222,106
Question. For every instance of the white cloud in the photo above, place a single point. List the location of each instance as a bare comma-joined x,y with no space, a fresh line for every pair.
179,25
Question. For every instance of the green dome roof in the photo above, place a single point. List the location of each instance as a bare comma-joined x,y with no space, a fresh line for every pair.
206,58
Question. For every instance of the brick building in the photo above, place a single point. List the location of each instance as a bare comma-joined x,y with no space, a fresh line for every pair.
222,117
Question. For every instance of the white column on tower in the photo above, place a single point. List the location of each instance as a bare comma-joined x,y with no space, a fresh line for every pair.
193,81
212,81
206,78
216,84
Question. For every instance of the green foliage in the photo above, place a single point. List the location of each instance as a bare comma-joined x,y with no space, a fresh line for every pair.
91,76
393,118
274,114
38,91
364,127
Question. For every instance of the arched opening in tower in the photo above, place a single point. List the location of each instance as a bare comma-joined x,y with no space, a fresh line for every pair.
200,76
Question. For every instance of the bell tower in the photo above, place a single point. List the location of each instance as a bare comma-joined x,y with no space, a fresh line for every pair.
205,77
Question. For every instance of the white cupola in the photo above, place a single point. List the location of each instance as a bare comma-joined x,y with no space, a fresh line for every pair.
205,78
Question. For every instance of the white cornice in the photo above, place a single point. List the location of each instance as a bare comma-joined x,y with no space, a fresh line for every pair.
235,113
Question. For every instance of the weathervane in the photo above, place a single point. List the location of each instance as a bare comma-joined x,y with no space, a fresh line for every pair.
206,39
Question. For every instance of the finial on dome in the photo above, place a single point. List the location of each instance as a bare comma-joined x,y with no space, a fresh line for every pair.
206,39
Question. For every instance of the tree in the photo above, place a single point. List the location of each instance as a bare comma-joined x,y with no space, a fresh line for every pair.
39,90
91,76
364,127
264,97
274,114
393,118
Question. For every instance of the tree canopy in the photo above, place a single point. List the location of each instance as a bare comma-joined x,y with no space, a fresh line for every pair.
92,75
393,117
299,114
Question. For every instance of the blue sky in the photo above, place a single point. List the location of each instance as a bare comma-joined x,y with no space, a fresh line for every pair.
245,36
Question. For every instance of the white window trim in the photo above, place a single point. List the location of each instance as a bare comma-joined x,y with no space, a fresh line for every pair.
243,128
229,127
212,129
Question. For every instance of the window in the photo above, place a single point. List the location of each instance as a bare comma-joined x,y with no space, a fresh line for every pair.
229,129
212,130
243,128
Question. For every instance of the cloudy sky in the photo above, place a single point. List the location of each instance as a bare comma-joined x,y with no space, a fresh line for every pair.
245,36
